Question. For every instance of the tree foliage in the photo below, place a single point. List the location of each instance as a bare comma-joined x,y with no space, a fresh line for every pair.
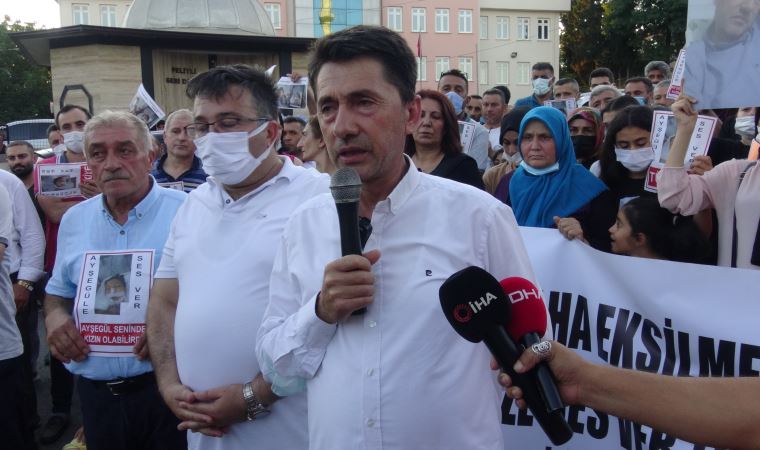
620,34
25,90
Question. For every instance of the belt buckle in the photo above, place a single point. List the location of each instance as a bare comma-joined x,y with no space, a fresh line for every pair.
116,385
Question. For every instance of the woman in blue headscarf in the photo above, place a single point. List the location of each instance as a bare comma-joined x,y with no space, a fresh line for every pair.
550,189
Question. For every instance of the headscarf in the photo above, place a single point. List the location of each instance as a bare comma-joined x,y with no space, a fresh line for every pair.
592,116
537,199
511,121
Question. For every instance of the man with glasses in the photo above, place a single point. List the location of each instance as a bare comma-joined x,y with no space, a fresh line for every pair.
213,283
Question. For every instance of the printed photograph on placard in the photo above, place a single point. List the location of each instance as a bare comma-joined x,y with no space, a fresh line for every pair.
722,57
144,107
112,300
567,106
59,180
176,185
466,134
676,81
291,95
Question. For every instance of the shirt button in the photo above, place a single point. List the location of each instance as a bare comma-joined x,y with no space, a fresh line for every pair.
227,201
372,324
370,423
370,372
122,232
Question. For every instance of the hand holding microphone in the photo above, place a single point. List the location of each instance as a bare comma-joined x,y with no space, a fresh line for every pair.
478,309
348,283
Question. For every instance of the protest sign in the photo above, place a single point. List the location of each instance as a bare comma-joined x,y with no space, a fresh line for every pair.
61,180
112,299
676,81
722,60
291,95
466,135
144,107
641,314
176,185
567,106
663,134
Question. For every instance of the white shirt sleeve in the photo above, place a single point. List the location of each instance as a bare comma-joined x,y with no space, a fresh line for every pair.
292,339
6,218
30,234
166,267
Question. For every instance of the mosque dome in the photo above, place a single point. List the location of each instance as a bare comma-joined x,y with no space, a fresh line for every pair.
237,17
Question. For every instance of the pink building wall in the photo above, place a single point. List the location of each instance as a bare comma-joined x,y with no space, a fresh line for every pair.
436,44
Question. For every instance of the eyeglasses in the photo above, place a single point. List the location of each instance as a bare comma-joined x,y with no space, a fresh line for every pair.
199,129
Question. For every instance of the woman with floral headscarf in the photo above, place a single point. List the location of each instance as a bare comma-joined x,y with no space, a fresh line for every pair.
587,134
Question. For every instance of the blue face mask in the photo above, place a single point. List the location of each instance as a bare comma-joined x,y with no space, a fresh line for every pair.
538,172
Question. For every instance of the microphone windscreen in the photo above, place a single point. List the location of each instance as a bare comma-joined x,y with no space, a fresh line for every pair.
528,310
473,301
345,185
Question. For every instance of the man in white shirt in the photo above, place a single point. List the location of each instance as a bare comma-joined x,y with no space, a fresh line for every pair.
213,283
397,376
494,108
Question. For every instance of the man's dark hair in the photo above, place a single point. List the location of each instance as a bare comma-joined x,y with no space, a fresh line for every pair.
294,119
645,80
26,144
504,90
601,72
217,82
67,108
366,41
455,73
543,66
564,81
494,92
51,128
475,96
620,103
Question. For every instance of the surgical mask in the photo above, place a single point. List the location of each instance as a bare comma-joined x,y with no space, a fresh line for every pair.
60,148
584,146
456,100
226,157
515,158
745,126
635,160
538,172
74,141
541,86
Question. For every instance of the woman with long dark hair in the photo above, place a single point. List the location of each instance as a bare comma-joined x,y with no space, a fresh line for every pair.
435,147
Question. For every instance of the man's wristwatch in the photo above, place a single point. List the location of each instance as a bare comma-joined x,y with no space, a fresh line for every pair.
253,407
26,285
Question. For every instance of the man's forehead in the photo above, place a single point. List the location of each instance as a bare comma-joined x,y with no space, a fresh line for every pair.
234,99
452,80
74,115
20,149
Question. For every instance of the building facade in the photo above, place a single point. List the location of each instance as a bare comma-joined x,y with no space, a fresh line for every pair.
106,13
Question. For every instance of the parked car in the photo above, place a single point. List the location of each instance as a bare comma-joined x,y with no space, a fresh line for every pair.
33,130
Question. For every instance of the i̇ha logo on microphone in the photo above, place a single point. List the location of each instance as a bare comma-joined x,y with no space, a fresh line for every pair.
464,312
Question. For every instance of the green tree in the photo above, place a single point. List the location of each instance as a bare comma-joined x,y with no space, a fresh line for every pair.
25,90
620,34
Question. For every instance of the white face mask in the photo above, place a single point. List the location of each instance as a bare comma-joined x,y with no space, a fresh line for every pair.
635,160
515,158
538,172
541,86
226,157
745,126
74,141
58,149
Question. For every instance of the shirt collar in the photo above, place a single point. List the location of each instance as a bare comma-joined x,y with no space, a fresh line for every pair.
142,208
287,172
405,187
160,164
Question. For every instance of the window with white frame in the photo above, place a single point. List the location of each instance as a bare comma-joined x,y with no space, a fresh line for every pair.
421,68
108,15
81,14
441,65
465,65
502,72
465,21
523,28
483,72
502,27
543,29
483,27
394,18
273,11
523,73
419,24
442,20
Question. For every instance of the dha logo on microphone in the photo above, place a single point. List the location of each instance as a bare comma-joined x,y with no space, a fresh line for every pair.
463,312
523,294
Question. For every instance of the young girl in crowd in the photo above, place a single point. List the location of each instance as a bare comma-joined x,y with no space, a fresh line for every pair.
644,229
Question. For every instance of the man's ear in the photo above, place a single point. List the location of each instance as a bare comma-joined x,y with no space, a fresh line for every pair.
413,111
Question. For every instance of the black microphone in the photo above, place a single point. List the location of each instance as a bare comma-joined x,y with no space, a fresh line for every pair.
346,188
478,309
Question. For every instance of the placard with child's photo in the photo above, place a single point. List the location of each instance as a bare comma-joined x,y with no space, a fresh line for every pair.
112,299
566,106
61,180
291,95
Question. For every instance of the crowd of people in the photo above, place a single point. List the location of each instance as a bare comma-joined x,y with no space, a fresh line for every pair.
258,333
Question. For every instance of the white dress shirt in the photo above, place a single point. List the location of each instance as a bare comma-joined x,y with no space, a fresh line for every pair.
27,248
221,252
399,376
